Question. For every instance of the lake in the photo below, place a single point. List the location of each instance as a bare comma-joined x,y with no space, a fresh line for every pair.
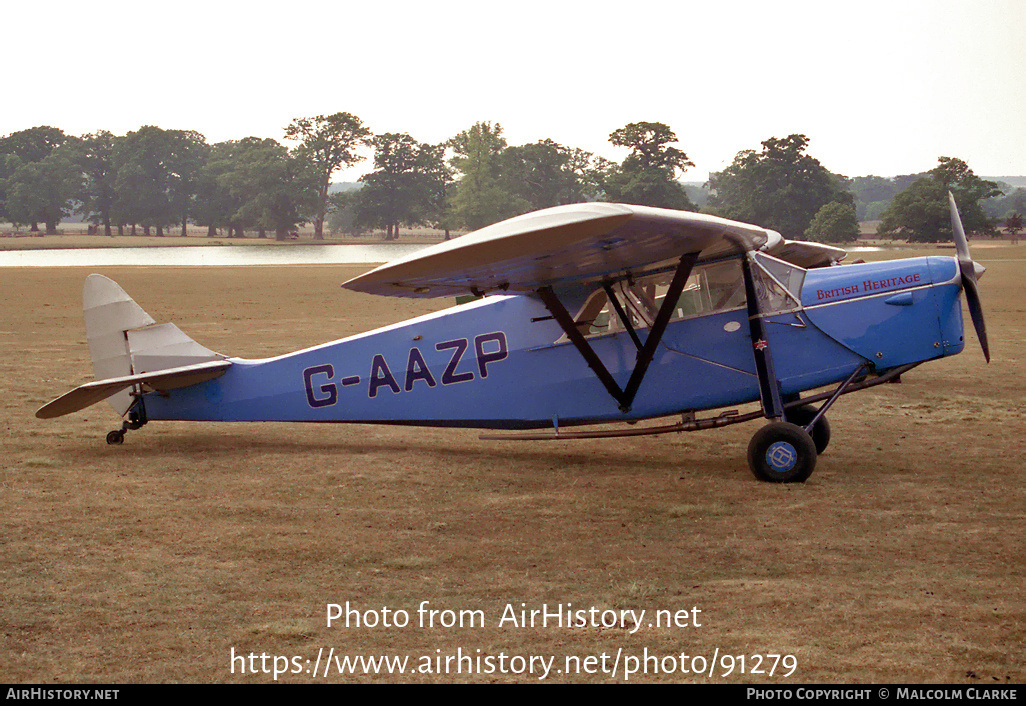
221,256
211,256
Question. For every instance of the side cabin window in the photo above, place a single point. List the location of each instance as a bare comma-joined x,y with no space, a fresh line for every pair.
711,288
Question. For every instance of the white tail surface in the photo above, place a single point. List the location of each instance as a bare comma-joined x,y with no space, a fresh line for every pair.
124,340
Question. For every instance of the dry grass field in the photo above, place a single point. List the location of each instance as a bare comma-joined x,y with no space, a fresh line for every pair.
902,559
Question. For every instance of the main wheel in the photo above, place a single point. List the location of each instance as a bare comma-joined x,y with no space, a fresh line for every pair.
801,416
782,452
115,437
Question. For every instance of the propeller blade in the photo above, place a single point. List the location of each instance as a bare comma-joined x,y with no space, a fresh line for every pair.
961,243
968,269
972,298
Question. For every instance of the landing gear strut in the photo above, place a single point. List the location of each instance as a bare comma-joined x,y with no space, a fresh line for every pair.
786,451
803,416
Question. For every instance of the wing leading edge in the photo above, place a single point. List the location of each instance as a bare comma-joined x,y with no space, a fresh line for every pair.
579,243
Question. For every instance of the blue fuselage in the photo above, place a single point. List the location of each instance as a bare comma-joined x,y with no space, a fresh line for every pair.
503,362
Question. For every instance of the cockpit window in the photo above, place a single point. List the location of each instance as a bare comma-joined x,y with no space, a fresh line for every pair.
710,288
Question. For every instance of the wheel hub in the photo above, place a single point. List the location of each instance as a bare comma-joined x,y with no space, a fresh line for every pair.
781,456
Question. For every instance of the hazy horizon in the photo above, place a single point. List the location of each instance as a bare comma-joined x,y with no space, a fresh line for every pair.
884,87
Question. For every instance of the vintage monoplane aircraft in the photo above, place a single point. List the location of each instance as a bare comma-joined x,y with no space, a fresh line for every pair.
580,314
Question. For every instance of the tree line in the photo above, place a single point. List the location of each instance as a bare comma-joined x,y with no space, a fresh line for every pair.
156,180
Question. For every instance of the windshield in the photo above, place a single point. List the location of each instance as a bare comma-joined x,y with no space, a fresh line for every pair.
778,284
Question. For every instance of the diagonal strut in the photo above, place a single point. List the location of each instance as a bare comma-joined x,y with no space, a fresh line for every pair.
646,353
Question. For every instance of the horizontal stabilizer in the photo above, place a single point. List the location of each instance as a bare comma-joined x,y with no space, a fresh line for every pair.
169,379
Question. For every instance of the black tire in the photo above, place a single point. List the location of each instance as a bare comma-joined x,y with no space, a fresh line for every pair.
115,437
782,452
801,416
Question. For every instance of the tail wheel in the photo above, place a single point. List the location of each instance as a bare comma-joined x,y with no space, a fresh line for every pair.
801,416
782,452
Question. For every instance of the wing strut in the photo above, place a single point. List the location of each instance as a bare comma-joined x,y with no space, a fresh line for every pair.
569,326
769,384
624,319
646,352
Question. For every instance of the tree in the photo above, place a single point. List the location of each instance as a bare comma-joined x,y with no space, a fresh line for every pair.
397,191
649,145
156,176
968,189
1011,201
589,172
920,213
873,194
33,144
94,155
438,176
480,197
330,142
648,175
43,191
25,147
189,152
278,189
543,174
834,223
1013,225
780,187
342,212
215,206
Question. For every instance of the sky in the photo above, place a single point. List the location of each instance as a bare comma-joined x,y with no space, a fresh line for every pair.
879,87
